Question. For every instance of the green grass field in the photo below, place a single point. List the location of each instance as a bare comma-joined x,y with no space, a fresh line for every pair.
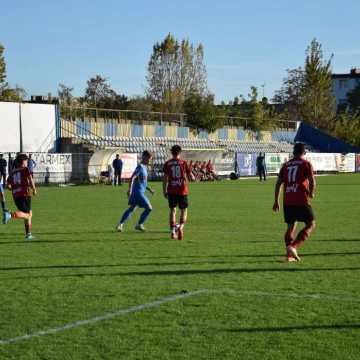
256,306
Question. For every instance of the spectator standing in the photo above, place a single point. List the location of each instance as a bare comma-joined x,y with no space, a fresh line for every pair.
10,164
261,166
117,165
31,165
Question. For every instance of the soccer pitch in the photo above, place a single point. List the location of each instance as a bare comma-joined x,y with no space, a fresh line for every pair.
222,293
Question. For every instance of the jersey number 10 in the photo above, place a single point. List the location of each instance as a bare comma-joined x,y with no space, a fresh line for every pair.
176,171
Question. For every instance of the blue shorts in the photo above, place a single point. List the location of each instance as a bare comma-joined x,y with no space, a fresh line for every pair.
1,189
139,200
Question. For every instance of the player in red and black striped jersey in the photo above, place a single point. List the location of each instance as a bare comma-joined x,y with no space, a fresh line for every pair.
297,177
177,173
20,182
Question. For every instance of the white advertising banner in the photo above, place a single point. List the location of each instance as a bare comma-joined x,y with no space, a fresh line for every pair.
345,163
274,161
129,165
53,163
9,127
322,161
332,162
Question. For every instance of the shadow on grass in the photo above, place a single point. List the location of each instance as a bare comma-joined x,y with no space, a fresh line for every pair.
185,272
339,240
296,328
129,232
71,241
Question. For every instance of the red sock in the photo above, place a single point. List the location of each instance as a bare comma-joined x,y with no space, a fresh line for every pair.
302,236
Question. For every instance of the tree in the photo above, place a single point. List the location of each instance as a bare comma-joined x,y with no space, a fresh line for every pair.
65,94
16,94
353,98
97,89
347,128
318,103
100,94
200,112
175,70
2,68
259,114
290,94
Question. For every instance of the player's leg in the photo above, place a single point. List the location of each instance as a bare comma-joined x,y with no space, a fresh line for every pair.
172,221
183,205
289,238
146,205
126,215
28,226
305,215
5,214
304,234
290,217
173,202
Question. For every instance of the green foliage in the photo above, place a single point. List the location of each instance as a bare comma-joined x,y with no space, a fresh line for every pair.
306,93
2,67
353,98
6,92
347,128
175,70
201,113
99,93
65,94
318,102
290,95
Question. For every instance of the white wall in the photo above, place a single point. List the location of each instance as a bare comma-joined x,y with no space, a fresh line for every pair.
9,127
38,127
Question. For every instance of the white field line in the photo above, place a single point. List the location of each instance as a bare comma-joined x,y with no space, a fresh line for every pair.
104,317
121,312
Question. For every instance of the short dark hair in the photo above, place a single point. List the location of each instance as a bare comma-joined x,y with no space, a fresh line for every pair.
21,157
146,154
299,149
176,150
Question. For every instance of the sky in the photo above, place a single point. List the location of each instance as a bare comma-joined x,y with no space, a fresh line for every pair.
246,42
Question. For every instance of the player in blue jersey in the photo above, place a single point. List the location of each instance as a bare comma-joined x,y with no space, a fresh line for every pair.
137,188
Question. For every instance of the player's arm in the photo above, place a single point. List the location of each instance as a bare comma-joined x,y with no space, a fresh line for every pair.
32,185
150,190
165,184
279,182
190,176
312,183
8,182
134,176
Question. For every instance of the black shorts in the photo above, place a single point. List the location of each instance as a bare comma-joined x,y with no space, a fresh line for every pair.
178,200
298,213
23,203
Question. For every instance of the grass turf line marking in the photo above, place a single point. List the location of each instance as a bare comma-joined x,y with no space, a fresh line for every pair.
104,317
171,298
